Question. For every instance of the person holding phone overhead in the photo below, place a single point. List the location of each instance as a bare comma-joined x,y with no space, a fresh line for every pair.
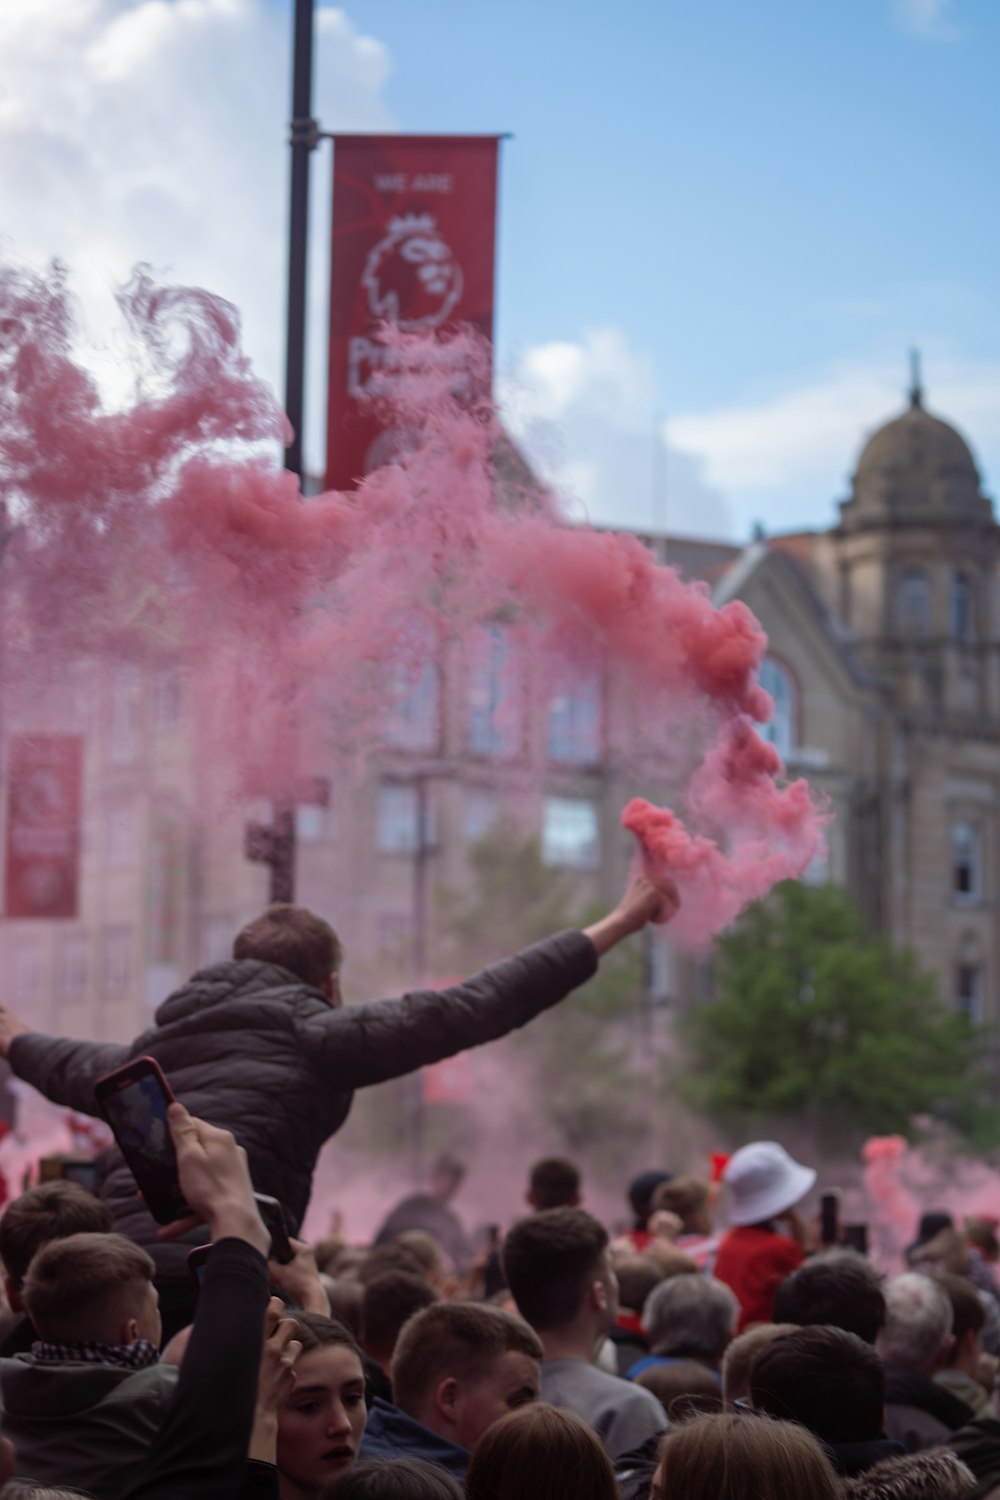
261,1045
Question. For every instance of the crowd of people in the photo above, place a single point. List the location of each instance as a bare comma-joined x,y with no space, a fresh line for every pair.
712,1348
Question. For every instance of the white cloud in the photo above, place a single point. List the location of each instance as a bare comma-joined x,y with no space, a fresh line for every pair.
930,19
156,130
787,456
586,414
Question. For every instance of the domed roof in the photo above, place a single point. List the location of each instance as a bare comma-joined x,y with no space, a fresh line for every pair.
916,468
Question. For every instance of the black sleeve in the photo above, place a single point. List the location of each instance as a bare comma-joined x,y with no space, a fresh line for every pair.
200,1451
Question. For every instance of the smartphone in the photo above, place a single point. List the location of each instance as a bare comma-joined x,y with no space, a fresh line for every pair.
196,1262
275,1223
83,1173
829,1217
856,1237
134,1101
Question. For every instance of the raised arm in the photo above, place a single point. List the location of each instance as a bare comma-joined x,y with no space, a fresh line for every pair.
366,1044
62,1070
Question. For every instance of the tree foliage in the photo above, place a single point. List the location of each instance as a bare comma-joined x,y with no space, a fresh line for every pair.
816,1020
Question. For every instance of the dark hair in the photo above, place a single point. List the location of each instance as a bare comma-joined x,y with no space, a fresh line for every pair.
388,1302
830,1381
968,1315
554,1182
50,1211
458,1339
75,1284
382,1259
640,1194
318,1332
540,1452
841,1289
393,1479
346,1299
637,1276
682,1387
548,1260
295,939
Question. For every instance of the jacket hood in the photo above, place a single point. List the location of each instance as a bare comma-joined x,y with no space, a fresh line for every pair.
390,1433
69,1388
242,979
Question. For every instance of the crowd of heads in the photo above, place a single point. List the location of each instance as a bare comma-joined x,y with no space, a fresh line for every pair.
613,1361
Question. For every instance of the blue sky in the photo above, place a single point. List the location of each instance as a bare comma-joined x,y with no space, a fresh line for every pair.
722,224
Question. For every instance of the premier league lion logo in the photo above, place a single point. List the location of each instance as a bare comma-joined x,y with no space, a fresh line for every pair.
411,276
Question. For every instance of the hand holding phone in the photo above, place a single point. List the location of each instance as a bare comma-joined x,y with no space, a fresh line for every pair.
135,1101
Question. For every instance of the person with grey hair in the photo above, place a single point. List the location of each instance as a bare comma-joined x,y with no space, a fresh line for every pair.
688,1317
914,1344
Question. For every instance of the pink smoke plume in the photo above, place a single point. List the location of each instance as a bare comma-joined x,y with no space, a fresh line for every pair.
166,530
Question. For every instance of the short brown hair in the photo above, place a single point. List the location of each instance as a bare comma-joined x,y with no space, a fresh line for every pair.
682,1196
638,1275
968,1315
741,1354
682,1387
388,1303
726,1457
50,1211
554,1182
548,1260
295,939
458,1339
539,1451
75,1285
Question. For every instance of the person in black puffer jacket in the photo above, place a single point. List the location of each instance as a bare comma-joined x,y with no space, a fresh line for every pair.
260,1045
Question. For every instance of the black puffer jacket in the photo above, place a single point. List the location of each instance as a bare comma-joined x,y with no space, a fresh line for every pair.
248,1046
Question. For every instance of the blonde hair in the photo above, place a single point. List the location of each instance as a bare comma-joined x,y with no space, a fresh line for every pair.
540,1452
730,1457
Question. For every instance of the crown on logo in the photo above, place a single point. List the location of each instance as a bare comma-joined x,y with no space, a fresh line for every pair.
412,224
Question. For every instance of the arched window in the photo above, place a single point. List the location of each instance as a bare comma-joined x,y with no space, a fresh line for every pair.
574,736
913,603
779,683
494,705
963,611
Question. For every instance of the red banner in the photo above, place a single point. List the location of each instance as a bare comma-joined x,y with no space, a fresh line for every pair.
414,229
44,782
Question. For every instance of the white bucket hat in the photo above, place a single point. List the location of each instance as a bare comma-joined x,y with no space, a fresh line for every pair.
764,1181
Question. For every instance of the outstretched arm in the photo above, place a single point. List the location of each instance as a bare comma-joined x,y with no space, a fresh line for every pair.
365,1044
63,1071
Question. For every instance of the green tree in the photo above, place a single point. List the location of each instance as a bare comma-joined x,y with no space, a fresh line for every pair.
817,1021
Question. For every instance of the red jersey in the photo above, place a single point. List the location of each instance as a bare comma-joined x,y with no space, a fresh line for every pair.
754,1261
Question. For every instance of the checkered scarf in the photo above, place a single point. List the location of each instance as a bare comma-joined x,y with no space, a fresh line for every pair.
137,1356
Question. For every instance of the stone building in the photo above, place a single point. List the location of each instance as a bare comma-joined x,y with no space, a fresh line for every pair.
884,664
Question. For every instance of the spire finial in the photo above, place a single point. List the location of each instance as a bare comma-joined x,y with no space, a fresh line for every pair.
916,388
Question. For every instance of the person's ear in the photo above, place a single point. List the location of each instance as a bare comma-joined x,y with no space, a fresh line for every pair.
129,1332
332,989
8,1460
599,1295
446,1398
14,1299
529,1200
944,1353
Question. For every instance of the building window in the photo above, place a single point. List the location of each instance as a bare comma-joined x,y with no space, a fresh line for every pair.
116,963
122,833
126,711
217,935
574,730
570,837
969,992
779,685
966,865
413,713
494,708
28,961
167,700
73,966
310,823
913,603
963,620
399,818
481,813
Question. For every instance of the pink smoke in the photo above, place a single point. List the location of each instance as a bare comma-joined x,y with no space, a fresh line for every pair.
166,530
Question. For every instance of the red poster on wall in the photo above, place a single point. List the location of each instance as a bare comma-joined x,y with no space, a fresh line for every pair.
44,784
414,230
